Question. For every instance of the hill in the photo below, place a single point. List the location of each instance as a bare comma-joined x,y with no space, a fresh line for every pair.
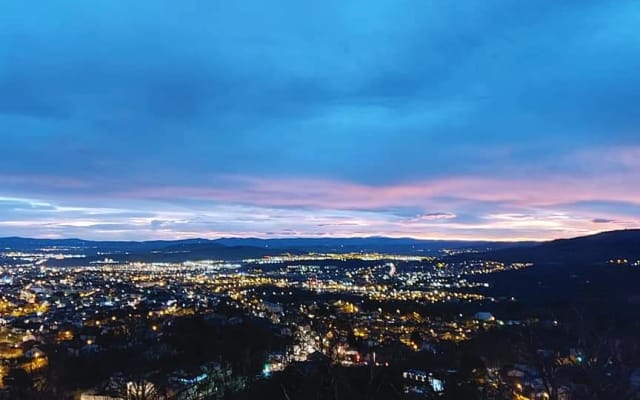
598,248
368,244
238,248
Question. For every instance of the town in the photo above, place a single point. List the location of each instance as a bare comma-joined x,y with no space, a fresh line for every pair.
192,329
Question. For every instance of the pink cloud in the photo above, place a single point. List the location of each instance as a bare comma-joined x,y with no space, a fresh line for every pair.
462,207
532,192
439,216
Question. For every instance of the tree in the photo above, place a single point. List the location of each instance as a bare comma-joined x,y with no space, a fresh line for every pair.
218,382
138,389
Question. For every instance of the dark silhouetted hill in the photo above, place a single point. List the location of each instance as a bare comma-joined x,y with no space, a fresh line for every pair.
597,248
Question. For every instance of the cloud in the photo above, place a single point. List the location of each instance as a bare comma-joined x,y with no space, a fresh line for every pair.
439,216
603,221
16,205
375,111
309,193
486,209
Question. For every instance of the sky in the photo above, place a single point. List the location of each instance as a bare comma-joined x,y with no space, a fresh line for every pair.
154,119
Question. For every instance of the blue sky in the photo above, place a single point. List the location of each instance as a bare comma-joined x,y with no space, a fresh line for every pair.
432,119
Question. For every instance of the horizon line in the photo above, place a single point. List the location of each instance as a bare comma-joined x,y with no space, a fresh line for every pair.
337,237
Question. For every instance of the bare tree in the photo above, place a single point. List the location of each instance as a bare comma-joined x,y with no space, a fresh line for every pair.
139,389
218,382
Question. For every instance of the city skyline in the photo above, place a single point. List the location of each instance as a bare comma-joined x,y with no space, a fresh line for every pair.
494,121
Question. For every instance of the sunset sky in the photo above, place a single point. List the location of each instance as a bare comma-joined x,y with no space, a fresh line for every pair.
432,119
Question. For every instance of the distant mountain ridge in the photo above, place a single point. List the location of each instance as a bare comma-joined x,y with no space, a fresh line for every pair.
371,243
594,248
281,244
234,248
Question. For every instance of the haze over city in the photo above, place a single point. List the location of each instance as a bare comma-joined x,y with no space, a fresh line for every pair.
465,120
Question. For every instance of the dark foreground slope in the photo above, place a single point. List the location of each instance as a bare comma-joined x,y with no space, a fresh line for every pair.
574,271
598,248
